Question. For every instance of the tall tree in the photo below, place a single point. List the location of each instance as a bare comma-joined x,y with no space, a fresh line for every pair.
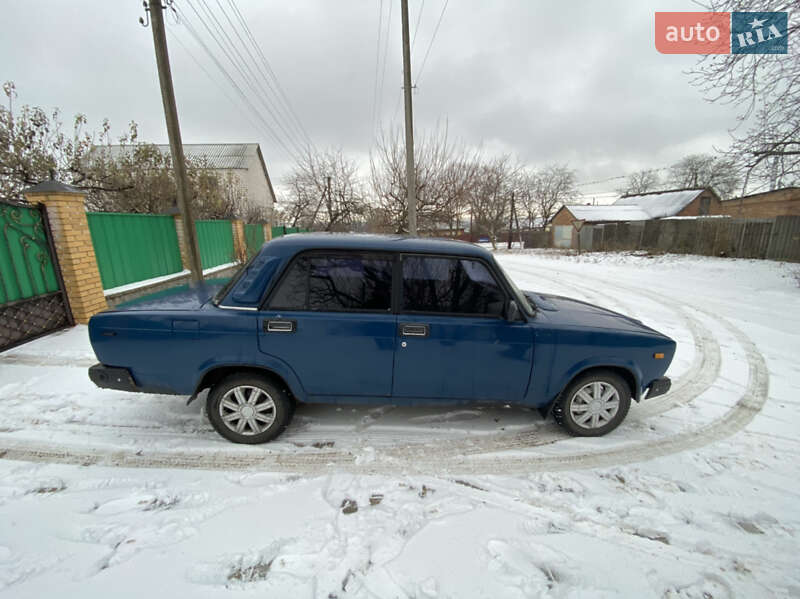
445,172
766,90
490,196
704,170
325,192
551,187
641,182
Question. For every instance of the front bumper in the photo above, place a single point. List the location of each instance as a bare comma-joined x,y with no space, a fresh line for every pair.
108,377
658,387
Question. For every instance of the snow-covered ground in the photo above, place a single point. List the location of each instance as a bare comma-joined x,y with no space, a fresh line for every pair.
111,494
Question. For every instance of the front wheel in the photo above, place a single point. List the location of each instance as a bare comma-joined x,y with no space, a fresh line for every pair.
593,404
248,408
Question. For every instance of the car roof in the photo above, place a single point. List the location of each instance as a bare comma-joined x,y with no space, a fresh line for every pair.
297,242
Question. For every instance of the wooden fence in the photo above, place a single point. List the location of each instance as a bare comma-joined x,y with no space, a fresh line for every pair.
768,238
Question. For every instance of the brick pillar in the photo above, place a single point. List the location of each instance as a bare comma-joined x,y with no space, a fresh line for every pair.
73,243
239,241
268,231
181,241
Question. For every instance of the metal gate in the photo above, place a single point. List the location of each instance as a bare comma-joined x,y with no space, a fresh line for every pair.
32,297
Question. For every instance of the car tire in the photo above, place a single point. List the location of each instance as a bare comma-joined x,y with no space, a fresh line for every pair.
249,408
593,404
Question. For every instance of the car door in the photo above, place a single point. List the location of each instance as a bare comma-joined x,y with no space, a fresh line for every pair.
330,319
453,340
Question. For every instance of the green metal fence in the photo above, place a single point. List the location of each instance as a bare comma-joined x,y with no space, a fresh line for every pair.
133,247
26,267
215,238
279,231
254,238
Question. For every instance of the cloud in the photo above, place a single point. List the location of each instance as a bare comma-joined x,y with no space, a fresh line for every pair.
549,82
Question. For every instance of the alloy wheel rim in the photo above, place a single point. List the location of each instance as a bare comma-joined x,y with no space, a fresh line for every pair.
247,410
594,405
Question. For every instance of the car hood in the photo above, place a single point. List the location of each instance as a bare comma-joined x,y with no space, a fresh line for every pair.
571,312
183,297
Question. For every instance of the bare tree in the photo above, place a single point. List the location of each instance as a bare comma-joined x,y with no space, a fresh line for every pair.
490,195
325,192
704,170
766,89
445,173
550,188
641,182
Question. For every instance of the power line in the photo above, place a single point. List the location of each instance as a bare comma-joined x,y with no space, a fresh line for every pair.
174,36
618,177
430,45
377,66
232,82
252,81
385,55
271,73
416,27
235,59
289,121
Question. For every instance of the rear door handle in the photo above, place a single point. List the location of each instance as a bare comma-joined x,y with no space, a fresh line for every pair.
414,330
280,326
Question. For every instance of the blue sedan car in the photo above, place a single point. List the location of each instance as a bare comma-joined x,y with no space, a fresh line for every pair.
321,318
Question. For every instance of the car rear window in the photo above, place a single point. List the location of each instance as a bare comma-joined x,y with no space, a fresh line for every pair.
336,284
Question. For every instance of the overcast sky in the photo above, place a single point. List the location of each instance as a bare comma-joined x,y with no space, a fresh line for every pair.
548,82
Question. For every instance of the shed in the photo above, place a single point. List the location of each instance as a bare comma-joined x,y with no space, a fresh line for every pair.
632,208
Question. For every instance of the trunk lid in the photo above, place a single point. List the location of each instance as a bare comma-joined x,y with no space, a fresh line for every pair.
181,298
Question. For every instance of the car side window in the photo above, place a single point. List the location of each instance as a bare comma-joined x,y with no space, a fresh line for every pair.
336,284
450,285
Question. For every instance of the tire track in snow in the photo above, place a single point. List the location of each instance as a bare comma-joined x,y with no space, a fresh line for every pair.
432,459
696,380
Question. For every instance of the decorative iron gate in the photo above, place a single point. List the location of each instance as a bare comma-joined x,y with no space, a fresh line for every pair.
32,297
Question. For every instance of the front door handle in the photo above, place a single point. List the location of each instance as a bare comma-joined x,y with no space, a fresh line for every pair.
280,326
414,330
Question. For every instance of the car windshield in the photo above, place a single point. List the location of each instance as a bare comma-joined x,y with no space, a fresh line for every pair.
519,297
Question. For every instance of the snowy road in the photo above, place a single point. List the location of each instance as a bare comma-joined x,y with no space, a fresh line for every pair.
690,494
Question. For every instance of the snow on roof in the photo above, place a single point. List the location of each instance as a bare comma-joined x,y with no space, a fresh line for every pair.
700,217
608,213
659,205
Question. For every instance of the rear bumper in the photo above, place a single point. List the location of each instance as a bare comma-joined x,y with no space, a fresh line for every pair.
108,377
658,387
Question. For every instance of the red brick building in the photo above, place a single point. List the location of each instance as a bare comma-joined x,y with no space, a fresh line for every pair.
779,202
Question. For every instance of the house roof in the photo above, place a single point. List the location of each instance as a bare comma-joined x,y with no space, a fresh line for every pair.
762,194
595,214
661,204
221,156
218,156
639,207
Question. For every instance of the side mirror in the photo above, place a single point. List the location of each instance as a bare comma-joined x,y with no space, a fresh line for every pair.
512,312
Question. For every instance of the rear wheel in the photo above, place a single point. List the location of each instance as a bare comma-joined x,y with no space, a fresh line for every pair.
248,408
593,404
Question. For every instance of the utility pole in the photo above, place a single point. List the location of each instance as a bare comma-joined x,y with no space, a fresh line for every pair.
411,176
511,222
330,202
174,132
